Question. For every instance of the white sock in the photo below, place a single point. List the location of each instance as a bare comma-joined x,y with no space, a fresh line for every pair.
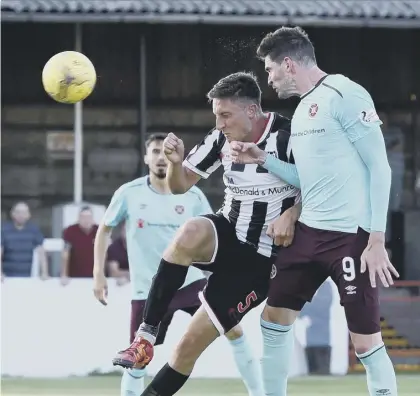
278,344
248,366
132,382
379,371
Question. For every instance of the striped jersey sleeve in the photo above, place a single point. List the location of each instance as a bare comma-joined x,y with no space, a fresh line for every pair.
205,158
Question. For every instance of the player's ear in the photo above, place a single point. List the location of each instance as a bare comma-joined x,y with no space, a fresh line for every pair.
252,111
289,67
146,160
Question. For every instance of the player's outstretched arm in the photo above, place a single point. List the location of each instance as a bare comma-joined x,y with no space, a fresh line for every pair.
250,153
284,170
114,215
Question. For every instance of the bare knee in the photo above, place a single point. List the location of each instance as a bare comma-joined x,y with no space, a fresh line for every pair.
281,316
193,242
234,333
365,342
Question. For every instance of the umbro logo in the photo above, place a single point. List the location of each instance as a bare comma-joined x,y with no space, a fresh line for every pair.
273,272
351,289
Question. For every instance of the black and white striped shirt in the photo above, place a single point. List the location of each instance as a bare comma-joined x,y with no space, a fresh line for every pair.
253,196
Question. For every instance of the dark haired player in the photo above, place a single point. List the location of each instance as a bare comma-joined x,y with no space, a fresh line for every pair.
343,172
233,244
152,215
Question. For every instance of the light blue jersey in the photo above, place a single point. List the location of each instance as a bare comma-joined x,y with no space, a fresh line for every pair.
335,182
151,220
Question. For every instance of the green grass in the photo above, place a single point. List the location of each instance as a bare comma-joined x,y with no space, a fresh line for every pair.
352,385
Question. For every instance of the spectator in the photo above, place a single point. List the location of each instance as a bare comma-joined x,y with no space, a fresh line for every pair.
318,339
77,256
118,260
20,239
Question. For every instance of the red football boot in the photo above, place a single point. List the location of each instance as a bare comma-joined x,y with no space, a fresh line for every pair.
138,355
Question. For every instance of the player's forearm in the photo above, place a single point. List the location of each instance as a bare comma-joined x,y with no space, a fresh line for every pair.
177,178
380,186
283,170
296,210
99,248
372,150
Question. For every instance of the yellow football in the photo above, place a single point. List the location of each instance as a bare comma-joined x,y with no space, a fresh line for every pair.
69,77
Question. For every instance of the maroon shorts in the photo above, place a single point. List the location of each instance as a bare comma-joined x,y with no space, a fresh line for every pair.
186,299
316,255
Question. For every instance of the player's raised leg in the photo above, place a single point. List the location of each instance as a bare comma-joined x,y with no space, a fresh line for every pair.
196,241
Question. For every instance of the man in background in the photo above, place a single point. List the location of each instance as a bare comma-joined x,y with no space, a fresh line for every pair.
77,255
20,239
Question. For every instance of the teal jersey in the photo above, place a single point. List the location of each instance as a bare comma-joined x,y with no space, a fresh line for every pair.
151,220
326,126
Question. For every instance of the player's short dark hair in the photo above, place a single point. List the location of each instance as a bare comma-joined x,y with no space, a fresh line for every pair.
292,42
85,208
155,137
241,85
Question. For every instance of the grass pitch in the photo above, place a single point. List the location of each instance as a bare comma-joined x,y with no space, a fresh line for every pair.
351,385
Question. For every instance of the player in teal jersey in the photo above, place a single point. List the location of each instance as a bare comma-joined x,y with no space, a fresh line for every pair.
152,215
344,176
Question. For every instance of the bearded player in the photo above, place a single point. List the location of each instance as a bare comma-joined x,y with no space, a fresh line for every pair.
343,172
233,244
152,216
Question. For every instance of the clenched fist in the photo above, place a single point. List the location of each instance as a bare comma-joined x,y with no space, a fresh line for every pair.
173,147
282,230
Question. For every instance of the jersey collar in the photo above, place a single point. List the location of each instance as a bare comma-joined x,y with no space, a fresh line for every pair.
267,128
314,87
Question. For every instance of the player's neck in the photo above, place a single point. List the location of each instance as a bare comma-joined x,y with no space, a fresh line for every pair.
259,127
159,185
308,79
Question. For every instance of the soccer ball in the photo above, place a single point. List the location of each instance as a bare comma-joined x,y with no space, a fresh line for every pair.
69,77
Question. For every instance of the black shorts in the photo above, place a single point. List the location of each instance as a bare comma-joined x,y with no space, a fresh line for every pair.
316,255
239,277
186,300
